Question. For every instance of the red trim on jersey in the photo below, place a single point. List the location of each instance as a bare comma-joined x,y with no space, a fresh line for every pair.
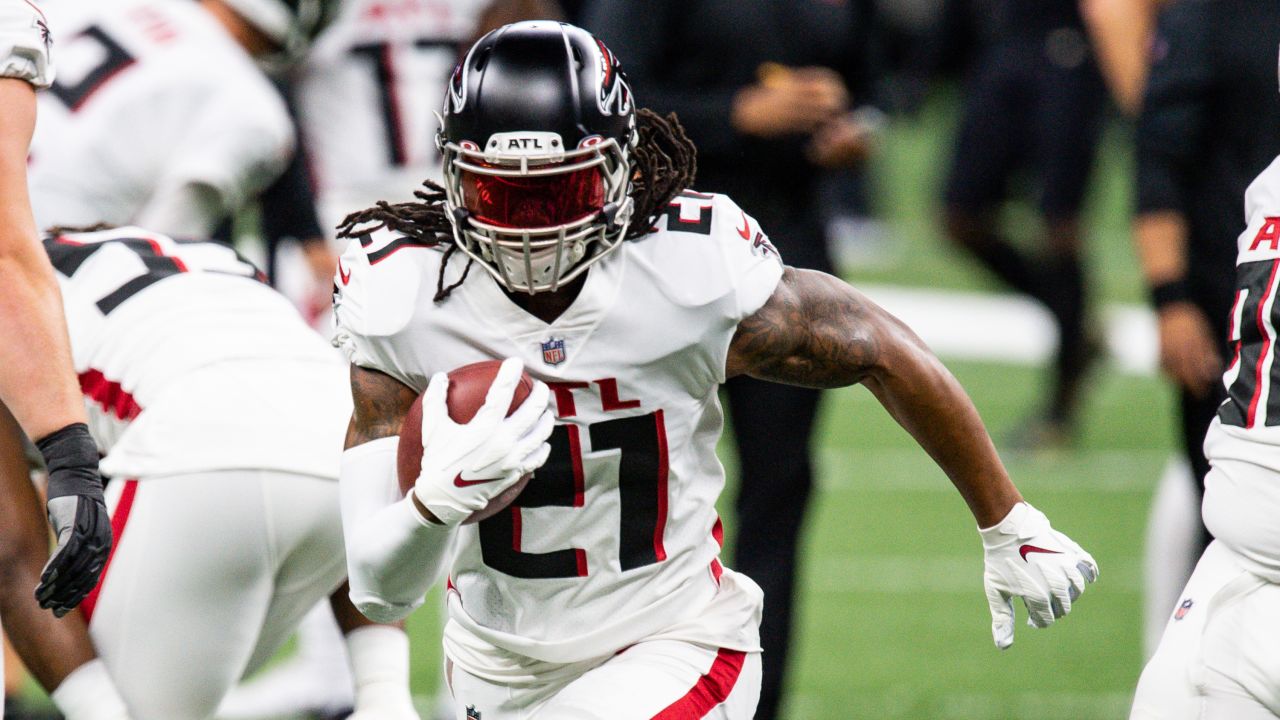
579,478
38,10
1266,345
711,689
660,527
1233,331
119,519
581,556
515,528
108,394
716,570
717,532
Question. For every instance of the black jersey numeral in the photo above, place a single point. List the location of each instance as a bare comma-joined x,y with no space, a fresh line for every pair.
67,255
1253,335
114,59
642,487
382,60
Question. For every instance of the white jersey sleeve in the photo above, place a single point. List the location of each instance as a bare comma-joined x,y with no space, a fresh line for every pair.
707,253
25,43
224,157
374,302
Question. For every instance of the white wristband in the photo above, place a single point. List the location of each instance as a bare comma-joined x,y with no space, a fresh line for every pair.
88,693
380,667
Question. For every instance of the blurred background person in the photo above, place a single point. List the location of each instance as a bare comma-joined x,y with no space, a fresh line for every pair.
1033,105
1206,129
161,116
774,94
1122,32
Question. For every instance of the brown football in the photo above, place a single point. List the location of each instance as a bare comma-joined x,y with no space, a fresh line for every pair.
468,386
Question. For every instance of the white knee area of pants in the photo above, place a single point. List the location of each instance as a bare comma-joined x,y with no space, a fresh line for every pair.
380,666
1172,541
1219,657
88,693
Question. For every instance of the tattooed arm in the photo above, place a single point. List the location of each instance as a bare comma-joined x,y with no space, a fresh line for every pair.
817,331
381,403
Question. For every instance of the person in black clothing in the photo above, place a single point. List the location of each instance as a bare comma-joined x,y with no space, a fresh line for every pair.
1033,103
1208,127
765,89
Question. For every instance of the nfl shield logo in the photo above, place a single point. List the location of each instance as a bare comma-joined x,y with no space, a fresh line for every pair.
472,713
1183,609
553,351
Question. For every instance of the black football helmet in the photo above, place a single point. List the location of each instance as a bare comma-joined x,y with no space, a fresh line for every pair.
538,133
290,24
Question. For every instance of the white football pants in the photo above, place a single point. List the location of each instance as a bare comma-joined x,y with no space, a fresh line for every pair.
210,573
660,679
1219,658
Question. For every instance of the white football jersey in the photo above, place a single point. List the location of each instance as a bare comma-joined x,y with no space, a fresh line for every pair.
25,43
189,363
368,94
153,97
1241,508
616,538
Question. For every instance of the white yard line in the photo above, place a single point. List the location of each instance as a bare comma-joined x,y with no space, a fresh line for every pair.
1011,328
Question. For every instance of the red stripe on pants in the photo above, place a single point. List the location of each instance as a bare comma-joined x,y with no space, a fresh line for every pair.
118,520
710,690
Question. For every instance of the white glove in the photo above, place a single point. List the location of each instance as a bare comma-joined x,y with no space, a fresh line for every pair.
465,466
1026,558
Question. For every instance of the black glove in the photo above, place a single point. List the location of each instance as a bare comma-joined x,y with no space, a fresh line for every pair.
79,518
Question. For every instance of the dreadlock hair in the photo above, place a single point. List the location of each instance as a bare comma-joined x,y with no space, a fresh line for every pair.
56,230
665,162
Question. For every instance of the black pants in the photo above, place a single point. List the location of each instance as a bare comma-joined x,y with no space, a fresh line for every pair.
772,425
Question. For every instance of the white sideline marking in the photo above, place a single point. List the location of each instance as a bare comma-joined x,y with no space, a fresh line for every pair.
1010,328
936,575
853,470
903,702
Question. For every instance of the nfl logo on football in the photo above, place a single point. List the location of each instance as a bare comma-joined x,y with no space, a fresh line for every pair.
553,351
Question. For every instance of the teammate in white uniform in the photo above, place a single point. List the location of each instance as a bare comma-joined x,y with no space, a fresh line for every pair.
220,416
159,116
599,593
1218,657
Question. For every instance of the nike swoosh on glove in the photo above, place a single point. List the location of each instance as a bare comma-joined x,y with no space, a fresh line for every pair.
79,518
1026,558
489,453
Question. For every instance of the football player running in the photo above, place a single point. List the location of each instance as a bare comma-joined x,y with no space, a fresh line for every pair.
1217,658
565,240
219,413
36,381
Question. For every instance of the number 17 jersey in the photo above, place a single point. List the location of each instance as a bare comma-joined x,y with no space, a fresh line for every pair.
616,539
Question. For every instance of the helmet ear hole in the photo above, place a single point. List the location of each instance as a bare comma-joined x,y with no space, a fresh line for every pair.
577,58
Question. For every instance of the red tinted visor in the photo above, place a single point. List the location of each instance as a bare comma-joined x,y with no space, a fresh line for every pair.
533,201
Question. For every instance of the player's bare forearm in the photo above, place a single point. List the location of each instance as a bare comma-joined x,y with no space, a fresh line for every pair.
36,377
816,331
50,647
380,404
1161,240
